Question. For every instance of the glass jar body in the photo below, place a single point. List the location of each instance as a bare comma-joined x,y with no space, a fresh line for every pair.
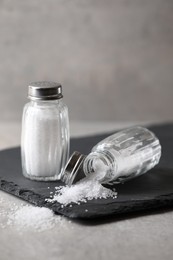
124,155
44,139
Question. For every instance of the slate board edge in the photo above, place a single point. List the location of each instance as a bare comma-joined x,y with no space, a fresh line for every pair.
27,195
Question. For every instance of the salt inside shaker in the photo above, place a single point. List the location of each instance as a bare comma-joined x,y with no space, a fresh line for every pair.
118,158
45,132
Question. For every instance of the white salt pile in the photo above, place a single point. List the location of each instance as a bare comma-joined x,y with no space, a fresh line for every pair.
30,217
86,189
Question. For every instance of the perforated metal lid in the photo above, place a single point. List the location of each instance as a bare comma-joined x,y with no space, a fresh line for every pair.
74,171
44,90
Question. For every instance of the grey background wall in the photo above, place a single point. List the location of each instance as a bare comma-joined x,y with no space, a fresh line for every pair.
114,58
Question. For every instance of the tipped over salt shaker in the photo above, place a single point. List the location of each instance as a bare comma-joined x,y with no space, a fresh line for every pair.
45,132
118,158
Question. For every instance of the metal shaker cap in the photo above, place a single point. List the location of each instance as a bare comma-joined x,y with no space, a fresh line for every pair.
73,171
44,90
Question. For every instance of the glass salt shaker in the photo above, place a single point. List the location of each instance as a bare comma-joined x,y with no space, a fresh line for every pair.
118,158
45,132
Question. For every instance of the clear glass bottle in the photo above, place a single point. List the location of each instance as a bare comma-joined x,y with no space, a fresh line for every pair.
45,132
118,158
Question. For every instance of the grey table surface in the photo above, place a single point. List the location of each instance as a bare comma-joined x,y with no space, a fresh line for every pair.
138,237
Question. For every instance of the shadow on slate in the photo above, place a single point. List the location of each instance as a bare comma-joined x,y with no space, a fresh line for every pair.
150,191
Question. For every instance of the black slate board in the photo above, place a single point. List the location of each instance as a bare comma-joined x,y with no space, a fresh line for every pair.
150,191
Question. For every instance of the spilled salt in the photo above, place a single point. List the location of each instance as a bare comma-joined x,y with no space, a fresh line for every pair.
37,218
29,218
86,189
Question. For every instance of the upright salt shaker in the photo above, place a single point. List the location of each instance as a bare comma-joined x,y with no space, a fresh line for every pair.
118,158
45,132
